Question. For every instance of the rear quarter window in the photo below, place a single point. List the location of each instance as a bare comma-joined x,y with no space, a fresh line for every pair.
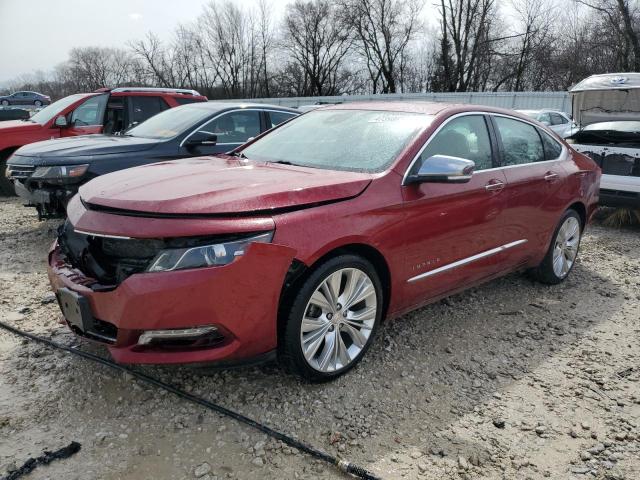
552,148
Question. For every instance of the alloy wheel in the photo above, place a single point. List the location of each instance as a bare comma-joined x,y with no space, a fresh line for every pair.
338,320
566,245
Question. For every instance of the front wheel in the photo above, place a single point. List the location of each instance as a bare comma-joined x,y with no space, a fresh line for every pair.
5,103
37,103
563,251
332,319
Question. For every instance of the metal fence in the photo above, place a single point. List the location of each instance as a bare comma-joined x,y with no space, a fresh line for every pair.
515,100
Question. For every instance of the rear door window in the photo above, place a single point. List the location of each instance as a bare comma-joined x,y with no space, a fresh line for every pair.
276,118
90,112
186,100
520,142
464,137
143,107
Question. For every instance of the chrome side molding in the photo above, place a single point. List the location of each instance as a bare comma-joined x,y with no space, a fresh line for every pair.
464,261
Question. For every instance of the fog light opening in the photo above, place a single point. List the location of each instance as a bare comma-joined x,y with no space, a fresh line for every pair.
182,337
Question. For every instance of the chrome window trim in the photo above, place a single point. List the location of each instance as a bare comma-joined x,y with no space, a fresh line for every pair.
537,127
464,261
562,155
207,122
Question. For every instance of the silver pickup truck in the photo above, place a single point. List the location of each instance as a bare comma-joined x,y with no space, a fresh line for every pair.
606,109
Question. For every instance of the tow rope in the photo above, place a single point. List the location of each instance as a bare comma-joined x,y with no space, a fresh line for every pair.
340,464
44,459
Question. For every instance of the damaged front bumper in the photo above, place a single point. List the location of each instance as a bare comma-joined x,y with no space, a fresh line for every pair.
238,302
50,201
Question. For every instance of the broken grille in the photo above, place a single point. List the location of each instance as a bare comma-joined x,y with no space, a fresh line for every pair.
20,172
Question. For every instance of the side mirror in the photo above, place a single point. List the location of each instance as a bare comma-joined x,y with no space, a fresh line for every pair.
61,121
201,138
444,169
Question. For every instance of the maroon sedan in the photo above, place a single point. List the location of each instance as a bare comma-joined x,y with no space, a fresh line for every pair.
300,243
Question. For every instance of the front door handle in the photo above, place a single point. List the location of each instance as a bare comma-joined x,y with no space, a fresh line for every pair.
551,176
494,185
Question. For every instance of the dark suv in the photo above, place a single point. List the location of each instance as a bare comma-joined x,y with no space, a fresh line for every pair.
47,174
103,111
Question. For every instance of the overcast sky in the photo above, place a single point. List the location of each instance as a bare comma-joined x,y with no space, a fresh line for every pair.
37,34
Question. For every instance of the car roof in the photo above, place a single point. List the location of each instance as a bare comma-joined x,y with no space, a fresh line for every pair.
429,108
541,110
216,106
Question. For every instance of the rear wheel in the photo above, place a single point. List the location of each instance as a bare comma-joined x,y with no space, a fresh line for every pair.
563,251
332,319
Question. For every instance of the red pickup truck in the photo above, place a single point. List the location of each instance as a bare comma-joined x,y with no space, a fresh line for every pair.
103,111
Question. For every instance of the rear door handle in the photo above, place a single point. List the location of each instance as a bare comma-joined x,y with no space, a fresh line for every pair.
551,176
494,185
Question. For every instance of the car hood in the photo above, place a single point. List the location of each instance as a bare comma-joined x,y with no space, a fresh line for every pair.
88,145
219,186
595,106
15,126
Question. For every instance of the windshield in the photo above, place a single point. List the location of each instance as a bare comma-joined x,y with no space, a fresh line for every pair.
171,122
354,140
47,113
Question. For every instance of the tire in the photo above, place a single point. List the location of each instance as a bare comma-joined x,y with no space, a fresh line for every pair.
6,186
37,103
563,250
5,103
310,354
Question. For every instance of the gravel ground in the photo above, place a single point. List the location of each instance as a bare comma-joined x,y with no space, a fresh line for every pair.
512,380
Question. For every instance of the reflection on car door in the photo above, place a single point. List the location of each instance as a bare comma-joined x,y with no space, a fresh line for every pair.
534,174
454,230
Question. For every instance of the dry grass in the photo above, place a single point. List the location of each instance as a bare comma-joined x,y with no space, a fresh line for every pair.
618,217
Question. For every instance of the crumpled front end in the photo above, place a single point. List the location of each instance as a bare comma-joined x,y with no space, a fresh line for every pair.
49,199
210,314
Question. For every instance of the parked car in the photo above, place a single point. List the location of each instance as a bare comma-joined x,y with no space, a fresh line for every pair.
302,241
103,111
47,174
606,110
558,121
25,98
13,114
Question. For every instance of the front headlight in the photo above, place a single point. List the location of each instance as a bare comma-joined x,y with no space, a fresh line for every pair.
204,256
60,173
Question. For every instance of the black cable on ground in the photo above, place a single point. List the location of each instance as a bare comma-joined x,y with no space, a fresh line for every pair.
292,442
44,459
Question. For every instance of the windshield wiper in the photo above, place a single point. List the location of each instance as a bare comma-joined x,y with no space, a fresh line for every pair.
240,155
284,162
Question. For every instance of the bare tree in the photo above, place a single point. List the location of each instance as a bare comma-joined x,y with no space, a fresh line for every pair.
383,30
467,42
317,42
622,19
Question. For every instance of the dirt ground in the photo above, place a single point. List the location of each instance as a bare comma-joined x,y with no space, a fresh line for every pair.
512,380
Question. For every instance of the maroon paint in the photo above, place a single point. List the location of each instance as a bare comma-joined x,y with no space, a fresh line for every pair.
415,228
